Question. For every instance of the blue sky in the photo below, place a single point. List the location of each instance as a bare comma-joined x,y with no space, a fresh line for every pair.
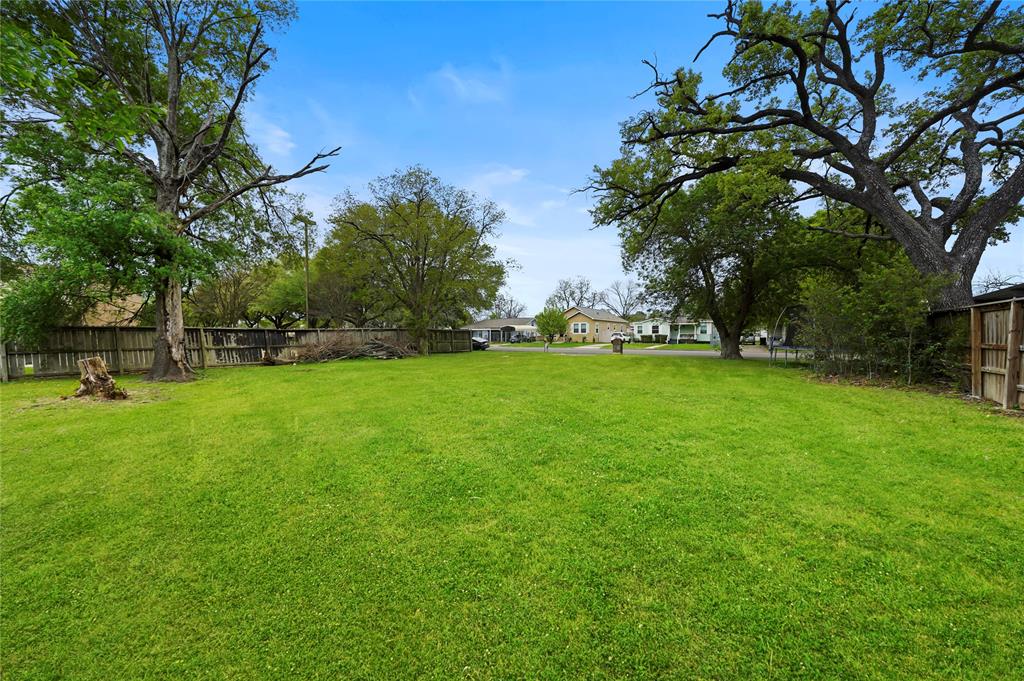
516,101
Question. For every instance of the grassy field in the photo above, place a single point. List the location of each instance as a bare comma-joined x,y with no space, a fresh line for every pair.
540,344
503,515
689,346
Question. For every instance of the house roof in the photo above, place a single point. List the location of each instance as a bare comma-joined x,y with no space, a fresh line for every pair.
500,323
597,315
1008,293
676,320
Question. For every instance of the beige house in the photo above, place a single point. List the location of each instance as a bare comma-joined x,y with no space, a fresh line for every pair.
586,324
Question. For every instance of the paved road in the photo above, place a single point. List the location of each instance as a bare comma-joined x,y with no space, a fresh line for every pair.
583,350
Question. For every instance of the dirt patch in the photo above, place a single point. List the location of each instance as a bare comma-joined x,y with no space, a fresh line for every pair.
137,395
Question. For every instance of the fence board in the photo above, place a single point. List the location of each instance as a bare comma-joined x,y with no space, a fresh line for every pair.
996,365
131,349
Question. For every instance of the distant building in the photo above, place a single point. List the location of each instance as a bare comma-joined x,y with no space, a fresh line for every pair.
118,312
502,330
678,330
590,324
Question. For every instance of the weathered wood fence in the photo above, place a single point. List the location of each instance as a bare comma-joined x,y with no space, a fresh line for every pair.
130,348
996,369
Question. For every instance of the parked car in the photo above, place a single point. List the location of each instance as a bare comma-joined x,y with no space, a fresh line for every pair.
480,343
519,338
625,338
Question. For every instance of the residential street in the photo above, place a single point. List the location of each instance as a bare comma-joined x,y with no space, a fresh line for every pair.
748,352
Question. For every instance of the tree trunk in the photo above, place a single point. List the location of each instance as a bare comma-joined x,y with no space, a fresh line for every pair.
170,361
730,345
927,253
935,262
97,382
957,294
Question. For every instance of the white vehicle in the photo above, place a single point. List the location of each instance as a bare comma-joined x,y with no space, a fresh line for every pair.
622,337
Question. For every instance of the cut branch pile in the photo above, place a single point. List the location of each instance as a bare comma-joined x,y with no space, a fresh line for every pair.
343,349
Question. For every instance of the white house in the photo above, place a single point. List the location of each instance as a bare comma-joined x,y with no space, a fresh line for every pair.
678,330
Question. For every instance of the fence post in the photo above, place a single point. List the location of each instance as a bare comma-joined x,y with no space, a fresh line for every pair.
976,352
266,341
3,361
319,340
117,350
1013,340
202,347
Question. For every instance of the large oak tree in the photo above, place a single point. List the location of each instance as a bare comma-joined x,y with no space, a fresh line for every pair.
813,95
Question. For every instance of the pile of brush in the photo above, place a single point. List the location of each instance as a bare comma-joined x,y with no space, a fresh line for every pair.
340,349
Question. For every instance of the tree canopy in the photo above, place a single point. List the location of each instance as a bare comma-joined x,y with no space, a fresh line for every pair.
551,323
574,292
728,248
151,93
811,98
427,246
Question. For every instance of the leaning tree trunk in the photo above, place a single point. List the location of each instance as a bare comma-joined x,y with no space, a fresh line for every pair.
170,360
97,382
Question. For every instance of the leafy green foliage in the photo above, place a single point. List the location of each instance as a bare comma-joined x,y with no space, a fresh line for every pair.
551,323
814,97
875,325
283,298
727,248
345,286
127,162
228,297
94,236
427,247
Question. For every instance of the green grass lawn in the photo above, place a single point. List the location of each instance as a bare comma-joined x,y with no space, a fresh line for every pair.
689,346
503,515
540,344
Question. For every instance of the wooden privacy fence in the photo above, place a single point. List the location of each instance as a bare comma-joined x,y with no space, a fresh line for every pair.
996,370
130,348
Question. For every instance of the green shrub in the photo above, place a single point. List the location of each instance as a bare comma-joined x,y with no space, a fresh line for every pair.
876,326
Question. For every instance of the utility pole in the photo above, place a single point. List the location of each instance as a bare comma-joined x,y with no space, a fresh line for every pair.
305,230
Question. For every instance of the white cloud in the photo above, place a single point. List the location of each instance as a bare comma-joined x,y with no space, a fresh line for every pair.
268,136
334,132
497,176
472,85
462,84
516,216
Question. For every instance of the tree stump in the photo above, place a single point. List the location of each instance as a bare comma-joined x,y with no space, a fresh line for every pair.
96,381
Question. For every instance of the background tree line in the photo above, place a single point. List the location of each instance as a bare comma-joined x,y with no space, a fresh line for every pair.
129,173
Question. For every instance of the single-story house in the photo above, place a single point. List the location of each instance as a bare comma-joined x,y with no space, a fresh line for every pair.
501,330
587,324
678,330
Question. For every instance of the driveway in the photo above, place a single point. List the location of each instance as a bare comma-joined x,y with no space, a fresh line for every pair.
748,353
